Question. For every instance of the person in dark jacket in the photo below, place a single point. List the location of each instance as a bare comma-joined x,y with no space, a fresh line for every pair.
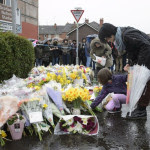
55,52
137,45
65,52
111,84
73,52
47,54
82,58
38,54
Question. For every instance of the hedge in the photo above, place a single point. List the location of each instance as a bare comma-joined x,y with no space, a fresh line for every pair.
20,56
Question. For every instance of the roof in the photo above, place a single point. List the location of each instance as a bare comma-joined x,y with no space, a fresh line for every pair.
68,28
50,29
93,25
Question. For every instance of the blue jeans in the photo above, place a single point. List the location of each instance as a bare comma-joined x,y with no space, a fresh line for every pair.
38,61
55,61
88,61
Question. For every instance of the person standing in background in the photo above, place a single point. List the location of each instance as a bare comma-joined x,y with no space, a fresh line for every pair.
82,58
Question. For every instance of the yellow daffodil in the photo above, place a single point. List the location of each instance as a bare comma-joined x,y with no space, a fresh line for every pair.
73,94
45,106
37,88
2,133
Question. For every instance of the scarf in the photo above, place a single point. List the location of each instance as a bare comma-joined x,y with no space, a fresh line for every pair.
118,40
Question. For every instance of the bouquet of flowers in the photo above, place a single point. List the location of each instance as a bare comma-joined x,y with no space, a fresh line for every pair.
82,124
45,102
54,91
33,112
77,76
76,96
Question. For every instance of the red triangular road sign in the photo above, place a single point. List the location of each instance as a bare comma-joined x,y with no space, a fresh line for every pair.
77,14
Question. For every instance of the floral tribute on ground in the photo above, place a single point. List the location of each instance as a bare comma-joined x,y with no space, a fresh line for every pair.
34,105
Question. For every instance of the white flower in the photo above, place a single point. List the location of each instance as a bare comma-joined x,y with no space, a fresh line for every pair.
84,121
69,122
70,129
78,127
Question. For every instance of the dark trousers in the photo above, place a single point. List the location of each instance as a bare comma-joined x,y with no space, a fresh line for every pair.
55,60
82,61
73,60
66,59
145,98
38,62
46,63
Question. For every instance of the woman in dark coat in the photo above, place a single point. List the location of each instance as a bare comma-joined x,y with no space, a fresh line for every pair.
137,45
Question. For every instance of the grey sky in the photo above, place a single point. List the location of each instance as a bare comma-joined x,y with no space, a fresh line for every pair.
135,13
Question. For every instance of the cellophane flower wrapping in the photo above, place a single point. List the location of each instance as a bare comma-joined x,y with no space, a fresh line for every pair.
82,124
45,103
54,91
139,76
8,107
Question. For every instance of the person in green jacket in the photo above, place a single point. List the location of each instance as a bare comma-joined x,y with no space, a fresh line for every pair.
101,50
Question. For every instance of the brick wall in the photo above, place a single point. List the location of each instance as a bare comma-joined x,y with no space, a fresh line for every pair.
29,30
63,35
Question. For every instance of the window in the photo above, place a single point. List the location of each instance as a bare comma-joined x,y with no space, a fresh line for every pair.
2,1
8,2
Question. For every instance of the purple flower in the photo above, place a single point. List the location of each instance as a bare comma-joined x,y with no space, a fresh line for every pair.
76,118
80,120
89,120
73,125
88,128
65,130
91,124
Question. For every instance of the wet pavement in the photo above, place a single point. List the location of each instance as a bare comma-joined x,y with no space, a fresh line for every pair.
115,133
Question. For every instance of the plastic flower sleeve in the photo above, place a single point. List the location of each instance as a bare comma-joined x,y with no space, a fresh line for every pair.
8,107
56,96
141,75
47,111
55,110
66,109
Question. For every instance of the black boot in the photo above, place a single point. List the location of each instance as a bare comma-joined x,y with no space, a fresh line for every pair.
138,113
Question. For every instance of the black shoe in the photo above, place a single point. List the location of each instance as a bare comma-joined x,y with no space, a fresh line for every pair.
137,114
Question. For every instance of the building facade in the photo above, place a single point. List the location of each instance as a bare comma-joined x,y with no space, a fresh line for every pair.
28,17
69,30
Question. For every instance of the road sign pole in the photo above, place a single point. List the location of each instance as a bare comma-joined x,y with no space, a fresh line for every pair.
77,15
77,51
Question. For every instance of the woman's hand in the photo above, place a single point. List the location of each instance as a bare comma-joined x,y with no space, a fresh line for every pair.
126,68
